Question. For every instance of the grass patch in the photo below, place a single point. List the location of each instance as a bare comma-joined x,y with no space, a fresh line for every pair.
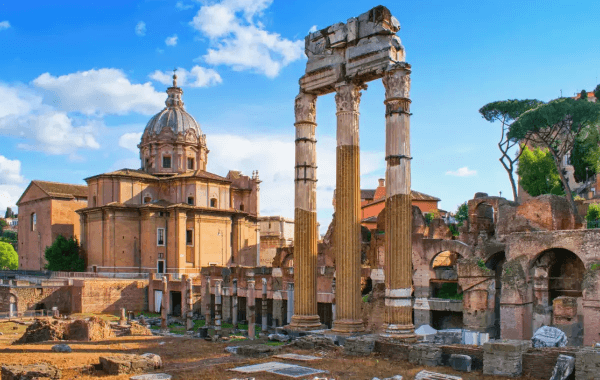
148,314
257,327
275,343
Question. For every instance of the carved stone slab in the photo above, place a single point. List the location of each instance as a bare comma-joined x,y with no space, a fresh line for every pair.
427,375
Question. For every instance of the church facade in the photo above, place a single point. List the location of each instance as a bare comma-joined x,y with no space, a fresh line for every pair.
170,216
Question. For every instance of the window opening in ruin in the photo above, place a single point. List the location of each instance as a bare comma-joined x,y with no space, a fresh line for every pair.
176,303
33,221
160,236
147,164
190,201
245,242
496,263
213,202
160,266
242,207
94,201
485,217
148,200
189,237
190,163
166,162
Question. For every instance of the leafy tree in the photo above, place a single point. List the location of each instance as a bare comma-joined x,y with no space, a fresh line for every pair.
554,126
428,218
593,213
462,214
597,93
3,224
506,111
585,156
8,257
538,173
65,255
9,213
583,94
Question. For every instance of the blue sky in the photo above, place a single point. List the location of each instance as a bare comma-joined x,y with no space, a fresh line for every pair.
80,79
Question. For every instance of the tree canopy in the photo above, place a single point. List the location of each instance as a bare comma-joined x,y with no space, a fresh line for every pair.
585,156
538,173
597,92
506,111
65,255
555,126
8,257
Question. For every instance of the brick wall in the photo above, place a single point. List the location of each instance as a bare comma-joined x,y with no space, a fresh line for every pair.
539,363
109,296
30,298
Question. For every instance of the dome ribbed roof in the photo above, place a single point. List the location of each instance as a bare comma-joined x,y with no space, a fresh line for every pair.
173,115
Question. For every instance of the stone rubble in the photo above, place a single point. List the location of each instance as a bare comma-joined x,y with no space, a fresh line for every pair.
461,362
152,376
427,375
425,354
312,342
30,372
61,348
126,364
279,337
362,345
504,357
548,336
564,367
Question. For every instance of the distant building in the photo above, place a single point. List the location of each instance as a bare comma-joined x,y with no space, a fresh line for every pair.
373,201
275,232
47,210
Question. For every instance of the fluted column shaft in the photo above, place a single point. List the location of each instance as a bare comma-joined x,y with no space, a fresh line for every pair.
305,228
347,208
251,308
398,205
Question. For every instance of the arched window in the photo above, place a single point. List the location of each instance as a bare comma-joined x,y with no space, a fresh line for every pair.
213,202
242,207
33,221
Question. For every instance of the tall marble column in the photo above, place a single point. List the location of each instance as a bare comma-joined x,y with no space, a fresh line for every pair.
347,209
218,306
398,221
305,228
251,308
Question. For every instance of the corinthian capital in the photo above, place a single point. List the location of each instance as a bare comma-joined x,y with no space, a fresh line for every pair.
347,97
306,108
397,83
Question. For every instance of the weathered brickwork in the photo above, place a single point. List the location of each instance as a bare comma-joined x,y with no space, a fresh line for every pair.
29,298
109,296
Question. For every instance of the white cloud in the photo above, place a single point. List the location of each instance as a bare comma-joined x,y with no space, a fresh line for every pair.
130,141
462,172
171,41
99,92
10,171
312,29
9,195
4,25
197,77
140,29
240,41
181,6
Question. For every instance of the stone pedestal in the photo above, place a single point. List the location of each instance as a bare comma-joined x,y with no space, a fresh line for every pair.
206,295
305,315
398,205
189,318
347,236
504,357
264,306
164,304
234,303
251,309
218,306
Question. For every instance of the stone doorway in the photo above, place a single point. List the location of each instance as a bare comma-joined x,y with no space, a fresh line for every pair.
176,304
496,263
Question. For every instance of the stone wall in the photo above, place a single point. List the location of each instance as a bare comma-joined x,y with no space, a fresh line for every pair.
109,296
539,363
29,298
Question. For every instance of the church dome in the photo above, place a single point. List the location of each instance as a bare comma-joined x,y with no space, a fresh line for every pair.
173,116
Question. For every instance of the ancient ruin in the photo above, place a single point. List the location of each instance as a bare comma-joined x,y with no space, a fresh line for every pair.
341,59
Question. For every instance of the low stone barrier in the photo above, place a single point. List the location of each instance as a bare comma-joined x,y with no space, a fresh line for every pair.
539,362
587,364
504,357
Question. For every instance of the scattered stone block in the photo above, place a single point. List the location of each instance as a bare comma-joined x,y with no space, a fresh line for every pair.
30,372
232,349
448,336
43,330
470,337
279,337
125,364
257,350
152,376
61,348
397,377
564,367
504,357
311,342
548,336
428,375
461,362
425,354
425,330
361,345
156,359
137,329
587,364
302,358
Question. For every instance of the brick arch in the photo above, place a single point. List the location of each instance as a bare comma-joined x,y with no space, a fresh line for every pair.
534,258
433,247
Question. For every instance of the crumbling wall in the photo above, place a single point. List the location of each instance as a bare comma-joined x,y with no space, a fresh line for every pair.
109,296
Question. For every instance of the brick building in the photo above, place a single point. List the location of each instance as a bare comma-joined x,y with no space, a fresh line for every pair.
373,201
275,232
46,210
170,216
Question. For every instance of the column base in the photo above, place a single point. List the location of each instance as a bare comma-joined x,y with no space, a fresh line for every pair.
305,322
348,326
403,333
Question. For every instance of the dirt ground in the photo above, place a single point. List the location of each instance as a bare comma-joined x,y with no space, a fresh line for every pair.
188,358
